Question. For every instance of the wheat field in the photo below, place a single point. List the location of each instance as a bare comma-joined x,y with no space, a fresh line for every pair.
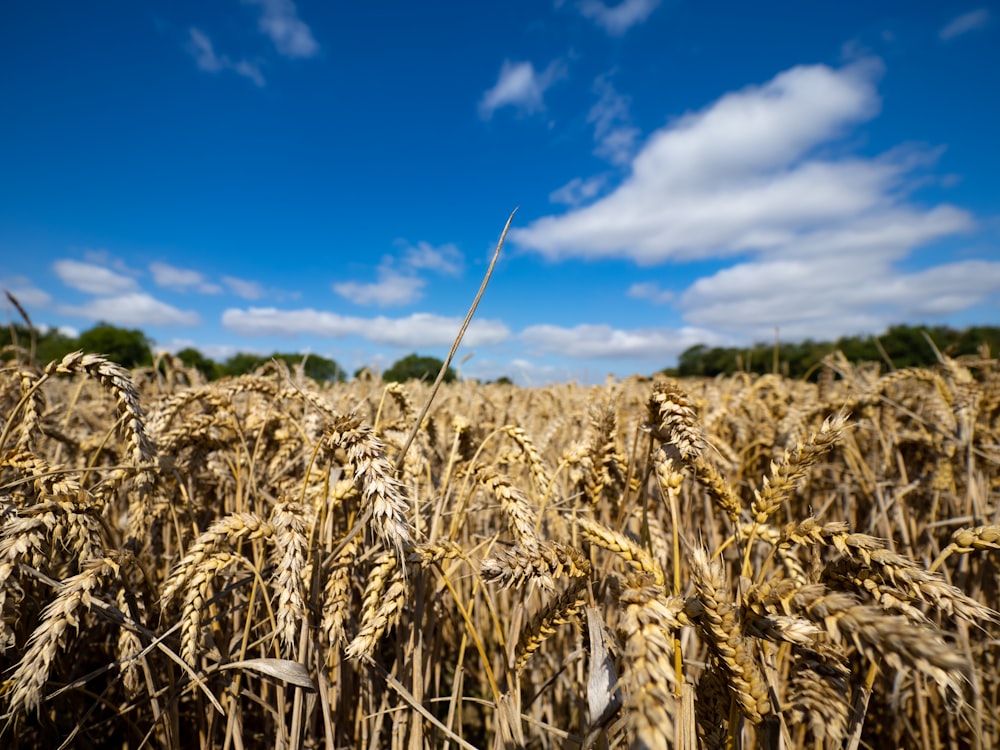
271,562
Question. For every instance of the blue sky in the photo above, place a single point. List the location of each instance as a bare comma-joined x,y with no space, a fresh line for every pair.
260,175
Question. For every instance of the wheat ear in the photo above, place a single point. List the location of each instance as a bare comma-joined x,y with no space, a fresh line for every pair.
381,493
649,624
52,634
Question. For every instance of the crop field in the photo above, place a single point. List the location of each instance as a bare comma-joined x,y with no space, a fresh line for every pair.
266,561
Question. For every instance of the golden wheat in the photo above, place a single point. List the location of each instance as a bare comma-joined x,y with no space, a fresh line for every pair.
227,563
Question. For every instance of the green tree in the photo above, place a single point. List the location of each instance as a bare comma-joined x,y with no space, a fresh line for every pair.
241,363
415,367
902,345
53,345
49,346
907,347
692,361
194,358
127,347
971,339
316,367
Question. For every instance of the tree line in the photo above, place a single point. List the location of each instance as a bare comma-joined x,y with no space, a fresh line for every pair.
130,348
899,346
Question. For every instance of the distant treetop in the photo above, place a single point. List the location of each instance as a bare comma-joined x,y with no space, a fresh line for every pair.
900,346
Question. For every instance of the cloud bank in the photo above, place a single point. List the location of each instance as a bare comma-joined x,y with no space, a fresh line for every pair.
413,331
761,177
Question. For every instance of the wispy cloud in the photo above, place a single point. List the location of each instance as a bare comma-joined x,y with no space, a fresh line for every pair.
520,86
732,177
200,47
392,288
650,290
823,237
411,332
250,290
279,21
613,130
605,342
578,190
93,279
291,36
617,19
965,23
398,282
218,352
25,292
445,259
103,257
131,310
181,279
524,371
827,297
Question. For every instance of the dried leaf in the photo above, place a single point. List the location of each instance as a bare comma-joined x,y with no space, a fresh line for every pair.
285,670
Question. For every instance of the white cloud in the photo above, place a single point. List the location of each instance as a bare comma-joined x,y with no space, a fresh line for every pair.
92,279
27,294
428,329
446,259
392,288
291,36
131,310
524,372
222,352
171,276
249,70
520,86
578,190
650,290
839,280
820,240
613,130
103,257
217,352
398,282
826,298
241,288
604,342
181,279
200,47
67,331
965,23
414,331
172,346
731,176
618,19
